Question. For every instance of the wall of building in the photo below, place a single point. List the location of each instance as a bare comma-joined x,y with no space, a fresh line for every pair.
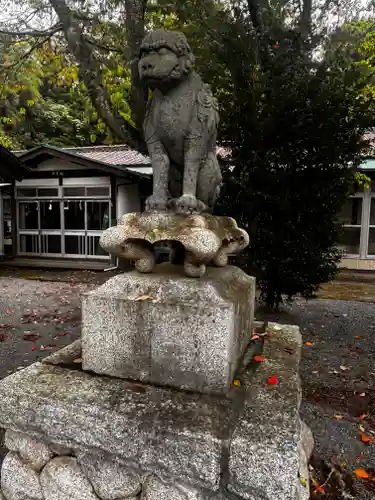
358,264
127,198
1,225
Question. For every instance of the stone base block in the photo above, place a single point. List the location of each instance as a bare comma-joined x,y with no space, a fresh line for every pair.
168,329
79,436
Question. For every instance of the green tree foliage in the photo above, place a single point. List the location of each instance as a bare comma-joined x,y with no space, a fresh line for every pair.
354,43
43,100
298,125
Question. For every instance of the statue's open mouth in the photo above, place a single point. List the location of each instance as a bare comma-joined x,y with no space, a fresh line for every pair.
152,75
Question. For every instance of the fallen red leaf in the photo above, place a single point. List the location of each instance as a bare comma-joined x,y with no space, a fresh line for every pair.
318,488
361,456
31,336
9,310
33,348
365,438
362,417
357,337
3,338
259,359
272,380
361,473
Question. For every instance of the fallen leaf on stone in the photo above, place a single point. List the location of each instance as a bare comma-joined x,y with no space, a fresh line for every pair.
33,348
77,360
361,456
46,347
143,297
372,432
31,336
60,334
339,417
357,337
361,473
259,359
272,380
344,368
236,383
9,310
318,488
365,438
361,428
309,344
303,481
362,417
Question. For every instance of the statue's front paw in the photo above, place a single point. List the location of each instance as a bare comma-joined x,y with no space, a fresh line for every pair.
155,203
188,204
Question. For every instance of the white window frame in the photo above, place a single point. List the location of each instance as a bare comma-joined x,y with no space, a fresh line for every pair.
360,226
371,196
87,236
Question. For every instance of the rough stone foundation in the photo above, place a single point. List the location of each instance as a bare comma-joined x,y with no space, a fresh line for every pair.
79,436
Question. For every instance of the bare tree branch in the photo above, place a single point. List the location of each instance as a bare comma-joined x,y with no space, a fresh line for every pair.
26,55
306,18
33,33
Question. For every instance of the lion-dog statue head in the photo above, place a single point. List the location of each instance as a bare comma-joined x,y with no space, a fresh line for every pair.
165,58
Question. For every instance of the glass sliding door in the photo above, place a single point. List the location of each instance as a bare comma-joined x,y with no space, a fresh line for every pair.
68,224
39,225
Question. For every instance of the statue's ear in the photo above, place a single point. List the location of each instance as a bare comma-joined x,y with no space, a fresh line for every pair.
188,64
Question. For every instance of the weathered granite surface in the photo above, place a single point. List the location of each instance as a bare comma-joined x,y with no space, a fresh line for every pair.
195,240
19,481
63,479
180,126
33,452
167,329
268,438
158,429
250,445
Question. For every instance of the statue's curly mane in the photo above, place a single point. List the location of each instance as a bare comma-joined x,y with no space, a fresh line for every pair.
174,41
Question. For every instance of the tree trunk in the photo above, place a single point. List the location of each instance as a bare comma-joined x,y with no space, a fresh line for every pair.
91,75
305,23
135,31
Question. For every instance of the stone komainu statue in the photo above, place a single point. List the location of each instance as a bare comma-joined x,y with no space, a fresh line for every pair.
180,126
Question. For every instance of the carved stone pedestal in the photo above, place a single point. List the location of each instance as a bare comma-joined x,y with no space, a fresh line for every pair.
195,240
78,436
167,329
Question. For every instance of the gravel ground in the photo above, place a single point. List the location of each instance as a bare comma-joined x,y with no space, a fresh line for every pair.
338,370
338,375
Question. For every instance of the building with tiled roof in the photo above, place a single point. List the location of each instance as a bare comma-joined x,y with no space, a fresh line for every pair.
63,198
67,197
